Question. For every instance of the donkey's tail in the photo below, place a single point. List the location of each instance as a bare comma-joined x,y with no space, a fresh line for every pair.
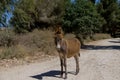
79,54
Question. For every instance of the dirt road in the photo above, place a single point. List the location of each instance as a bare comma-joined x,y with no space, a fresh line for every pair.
100,60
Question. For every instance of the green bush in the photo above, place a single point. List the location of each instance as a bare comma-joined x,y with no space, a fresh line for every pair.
82,18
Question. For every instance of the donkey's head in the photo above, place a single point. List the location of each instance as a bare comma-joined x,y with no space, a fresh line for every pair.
58,37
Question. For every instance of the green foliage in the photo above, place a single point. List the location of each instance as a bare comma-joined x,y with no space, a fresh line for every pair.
93,1
31,14
21,24
109,9
23,19
82,18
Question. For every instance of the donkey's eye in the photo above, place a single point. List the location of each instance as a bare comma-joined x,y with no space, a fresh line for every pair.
59,39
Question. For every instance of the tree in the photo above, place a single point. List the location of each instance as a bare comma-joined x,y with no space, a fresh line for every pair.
93,1
82,18
30,14
109,9
24,15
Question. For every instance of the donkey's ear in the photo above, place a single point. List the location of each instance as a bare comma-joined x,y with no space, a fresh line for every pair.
58,30
59,27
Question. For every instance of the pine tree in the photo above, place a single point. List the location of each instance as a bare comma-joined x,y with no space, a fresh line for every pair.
93,1
109,9
31,14
82,18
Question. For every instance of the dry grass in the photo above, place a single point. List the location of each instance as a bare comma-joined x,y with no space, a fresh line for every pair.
97,36
100,36
7,38
33,43
39,40
13,52
28,44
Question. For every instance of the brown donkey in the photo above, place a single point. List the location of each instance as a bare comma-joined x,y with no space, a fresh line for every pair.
67,48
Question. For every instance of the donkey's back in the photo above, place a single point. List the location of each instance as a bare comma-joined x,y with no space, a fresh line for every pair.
73,47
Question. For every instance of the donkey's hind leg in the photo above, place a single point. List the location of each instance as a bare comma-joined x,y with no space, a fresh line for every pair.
77,63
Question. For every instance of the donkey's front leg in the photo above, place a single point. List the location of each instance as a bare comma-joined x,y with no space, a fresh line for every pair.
61,64
65,65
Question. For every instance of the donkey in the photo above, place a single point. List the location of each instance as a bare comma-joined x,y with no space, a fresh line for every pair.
67,48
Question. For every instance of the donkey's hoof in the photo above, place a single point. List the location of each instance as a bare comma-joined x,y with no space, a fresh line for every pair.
76,72
61,76
65,77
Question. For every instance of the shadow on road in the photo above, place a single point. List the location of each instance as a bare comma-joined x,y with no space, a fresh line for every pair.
94,47
114,41
53,73
97,47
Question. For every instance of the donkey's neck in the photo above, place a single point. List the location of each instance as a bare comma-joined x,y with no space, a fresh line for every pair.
63,44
